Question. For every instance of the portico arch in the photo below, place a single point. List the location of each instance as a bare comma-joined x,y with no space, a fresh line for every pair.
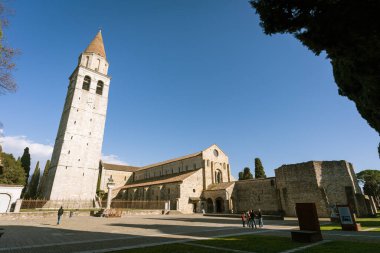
210,205
219,204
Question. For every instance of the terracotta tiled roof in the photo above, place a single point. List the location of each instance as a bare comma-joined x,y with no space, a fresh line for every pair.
171,161
110,166
221,186
160,180
96,46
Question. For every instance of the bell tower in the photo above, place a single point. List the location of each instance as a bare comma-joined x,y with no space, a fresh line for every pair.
73,172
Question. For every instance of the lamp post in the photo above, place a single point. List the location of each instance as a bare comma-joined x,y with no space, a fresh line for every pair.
110,186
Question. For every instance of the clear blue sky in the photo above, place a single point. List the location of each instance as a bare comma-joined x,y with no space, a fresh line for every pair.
185,75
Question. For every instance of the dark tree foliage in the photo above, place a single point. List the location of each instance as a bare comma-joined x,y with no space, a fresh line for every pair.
43,180
25,163
7,83
31,193
259,169
245,174
371,181
347,30
11,170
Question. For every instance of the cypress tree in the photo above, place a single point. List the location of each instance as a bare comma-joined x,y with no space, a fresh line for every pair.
241,175
41,186
259,169
32,189
247,173
25,163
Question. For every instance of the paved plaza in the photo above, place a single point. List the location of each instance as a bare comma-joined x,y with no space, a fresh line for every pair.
93,234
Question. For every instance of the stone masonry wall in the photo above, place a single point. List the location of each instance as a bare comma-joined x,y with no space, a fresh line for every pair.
256,194
191,187
297,183
335,177
120,178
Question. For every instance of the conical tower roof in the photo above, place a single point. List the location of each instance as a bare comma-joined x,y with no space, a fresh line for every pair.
96,46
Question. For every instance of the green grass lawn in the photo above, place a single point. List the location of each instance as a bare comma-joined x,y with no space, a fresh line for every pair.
367,223
255,243
258,244
172,248
344,246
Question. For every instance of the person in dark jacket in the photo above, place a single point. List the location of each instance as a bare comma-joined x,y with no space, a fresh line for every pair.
260,218
253,217
60,213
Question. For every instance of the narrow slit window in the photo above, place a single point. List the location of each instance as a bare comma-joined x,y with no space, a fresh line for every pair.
87,61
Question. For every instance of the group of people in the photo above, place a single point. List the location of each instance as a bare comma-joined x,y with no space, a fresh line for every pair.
252,219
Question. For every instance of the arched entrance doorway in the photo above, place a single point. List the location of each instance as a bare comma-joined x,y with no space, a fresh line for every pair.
210,206
219,205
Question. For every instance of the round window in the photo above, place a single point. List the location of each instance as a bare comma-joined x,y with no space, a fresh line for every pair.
216,153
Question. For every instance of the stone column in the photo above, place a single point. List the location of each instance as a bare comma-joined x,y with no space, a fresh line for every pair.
159,191
133,194
110,186
145,192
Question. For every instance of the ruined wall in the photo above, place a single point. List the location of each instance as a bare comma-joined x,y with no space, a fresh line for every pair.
297,183
256,194
335,177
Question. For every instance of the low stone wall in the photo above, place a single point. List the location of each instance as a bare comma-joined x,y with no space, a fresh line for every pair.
31,215
49,214
238,216
141,212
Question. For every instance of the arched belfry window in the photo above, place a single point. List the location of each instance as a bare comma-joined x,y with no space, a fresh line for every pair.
99,88
86,83
218,177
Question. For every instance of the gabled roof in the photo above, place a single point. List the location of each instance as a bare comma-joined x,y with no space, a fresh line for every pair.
171,161
215,146
119,167
96,46
160,180
220,186
164,162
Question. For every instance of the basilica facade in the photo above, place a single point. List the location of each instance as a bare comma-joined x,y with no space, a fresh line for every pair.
198,182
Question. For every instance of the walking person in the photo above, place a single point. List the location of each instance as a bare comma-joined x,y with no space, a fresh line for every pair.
248,215
243,219
253,217
260,218
60,213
